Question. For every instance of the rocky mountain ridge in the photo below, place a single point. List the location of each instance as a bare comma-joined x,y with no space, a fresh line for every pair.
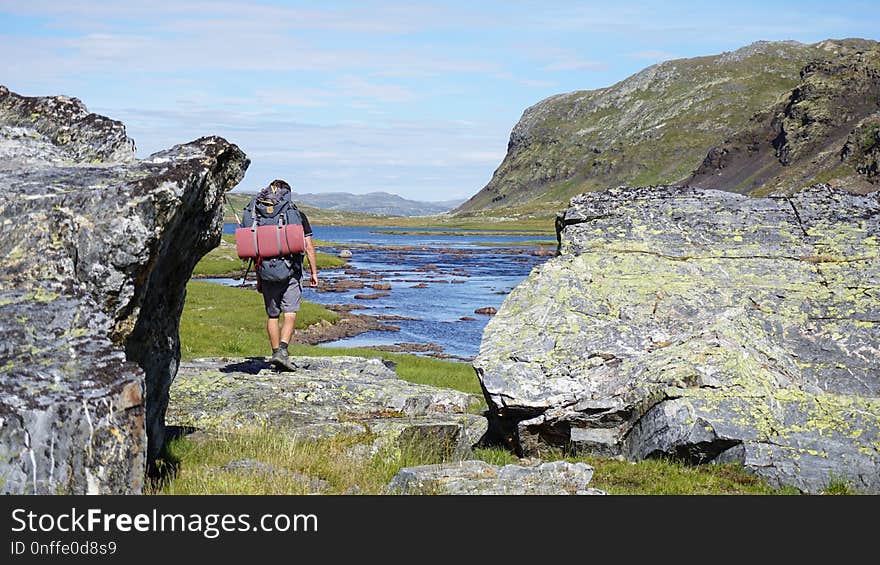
657,126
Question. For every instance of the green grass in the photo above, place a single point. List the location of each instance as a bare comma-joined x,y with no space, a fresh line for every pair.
199,468
223,261
199,464
220,321
838,486
412,368
656,476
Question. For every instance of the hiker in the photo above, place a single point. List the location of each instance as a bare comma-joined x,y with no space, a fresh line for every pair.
279,278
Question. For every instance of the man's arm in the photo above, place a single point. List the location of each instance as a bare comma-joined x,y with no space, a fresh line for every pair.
313,262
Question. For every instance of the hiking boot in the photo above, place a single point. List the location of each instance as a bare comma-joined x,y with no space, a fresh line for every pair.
281,359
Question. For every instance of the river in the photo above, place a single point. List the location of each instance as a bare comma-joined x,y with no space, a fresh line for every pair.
436,280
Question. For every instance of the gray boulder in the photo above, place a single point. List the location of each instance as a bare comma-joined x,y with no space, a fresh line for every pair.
477,477
702,325
323,397
98,247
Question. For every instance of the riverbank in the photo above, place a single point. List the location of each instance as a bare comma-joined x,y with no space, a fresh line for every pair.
428,292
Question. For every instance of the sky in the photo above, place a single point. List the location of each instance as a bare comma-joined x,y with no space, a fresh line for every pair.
413,98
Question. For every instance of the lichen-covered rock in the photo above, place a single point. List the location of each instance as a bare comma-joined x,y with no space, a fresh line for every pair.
98,247
323,397
704,325
475,477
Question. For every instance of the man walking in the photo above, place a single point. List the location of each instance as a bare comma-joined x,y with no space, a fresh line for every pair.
279,279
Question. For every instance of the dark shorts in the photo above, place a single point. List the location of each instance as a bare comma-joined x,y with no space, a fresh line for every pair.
281,296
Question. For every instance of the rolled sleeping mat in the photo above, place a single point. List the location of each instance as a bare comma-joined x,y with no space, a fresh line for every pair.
293,239
269,241
246,243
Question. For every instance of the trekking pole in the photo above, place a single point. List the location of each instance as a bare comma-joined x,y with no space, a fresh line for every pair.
247,269
231,207
238,221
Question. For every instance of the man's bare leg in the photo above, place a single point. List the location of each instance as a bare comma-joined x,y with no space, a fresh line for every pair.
288,327
272,328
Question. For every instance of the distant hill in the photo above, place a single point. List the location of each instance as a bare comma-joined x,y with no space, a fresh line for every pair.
764,111
378,203
381,203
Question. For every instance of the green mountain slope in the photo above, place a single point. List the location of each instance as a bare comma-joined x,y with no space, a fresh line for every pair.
655,127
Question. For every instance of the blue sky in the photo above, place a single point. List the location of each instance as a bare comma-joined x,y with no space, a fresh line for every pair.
414,98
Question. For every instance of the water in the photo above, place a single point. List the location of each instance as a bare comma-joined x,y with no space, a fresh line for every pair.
461,273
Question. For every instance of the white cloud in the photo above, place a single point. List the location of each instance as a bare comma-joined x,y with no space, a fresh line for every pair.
537,83
348,156
355,87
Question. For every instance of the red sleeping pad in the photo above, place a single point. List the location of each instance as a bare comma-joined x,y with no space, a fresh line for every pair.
269,241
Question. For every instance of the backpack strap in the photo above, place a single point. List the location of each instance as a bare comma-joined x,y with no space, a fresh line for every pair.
279,228
253,205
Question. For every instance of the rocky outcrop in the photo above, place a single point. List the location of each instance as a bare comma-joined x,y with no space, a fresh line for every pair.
477,477
98,247
824,128
323,397
702,325
861,151
657,126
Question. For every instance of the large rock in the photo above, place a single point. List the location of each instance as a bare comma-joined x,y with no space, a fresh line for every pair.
703,325
477,477
323,397
98,247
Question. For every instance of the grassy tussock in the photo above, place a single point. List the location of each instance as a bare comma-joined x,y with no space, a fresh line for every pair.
343,462
655,476
348,468
227,321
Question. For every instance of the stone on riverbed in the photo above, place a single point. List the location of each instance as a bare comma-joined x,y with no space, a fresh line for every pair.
475,477
323,397
702,325
374,296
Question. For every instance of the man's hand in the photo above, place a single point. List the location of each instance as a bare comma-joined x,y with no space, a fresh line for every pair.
313,280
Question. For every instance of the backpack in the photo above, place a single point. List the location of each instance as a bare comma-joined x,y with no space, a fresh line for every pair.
272,233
